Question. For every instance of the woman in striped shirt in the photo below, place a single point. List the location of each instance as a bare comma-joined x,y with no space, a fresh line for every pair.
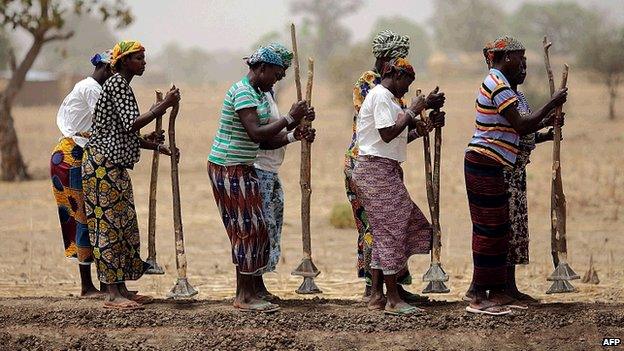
494,147
244,128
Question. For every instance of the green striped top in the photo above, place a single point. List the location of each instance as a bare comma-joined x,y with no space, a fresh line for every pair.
232,145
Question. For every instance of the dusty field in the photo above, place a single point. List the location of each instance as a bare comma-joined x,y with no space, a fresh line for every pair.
319,324
32,264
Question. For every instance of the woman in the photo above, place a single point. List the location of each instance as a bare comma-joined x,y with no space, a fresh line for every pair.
244,128
113,149
74,120
387,45
515,178
267,165
493,148
399,228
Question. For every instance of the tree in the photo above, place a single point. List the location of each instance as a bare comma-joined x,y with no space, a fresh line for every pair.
602,52
72,55
565,23
420,43
45,22
324,17
466,25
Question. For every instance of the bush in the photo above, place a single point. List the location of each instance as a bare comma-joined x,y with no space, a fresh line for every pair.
341,216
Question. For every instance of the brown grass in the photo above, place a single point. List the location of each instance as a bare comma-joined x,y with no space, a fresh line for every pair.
31,257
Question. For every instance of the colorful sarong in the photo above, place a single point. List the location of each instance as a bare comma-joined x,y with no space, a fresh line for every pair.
273,209
112,220
66,173
399,227
489,211
238,198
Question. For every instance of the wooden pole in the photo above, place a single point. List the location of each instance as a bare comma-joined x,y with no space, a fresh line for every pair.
557,199
437,231
293,37
306,268
151,224
305,174
182,288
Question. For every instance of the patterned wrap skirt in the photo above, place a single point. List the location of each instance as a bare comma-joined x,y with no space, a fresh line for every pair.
489,211
399,227
273,209
66,174
237,194
112,220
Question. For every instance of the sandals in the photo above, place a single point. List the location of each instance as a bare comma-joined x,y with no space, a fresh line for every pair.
403,311
142,299
495,310
411,297
518,305
124,306
264,307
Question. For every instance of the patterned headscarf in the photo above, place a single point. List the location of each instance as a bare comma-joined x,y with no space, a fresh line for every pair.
125,48
266,55
486,52
283,52
104,57
400,64
505,43
389,44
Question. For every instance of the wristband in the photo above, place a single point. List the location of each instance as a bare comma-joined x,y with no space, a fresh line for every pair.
291,137
289,119
410,113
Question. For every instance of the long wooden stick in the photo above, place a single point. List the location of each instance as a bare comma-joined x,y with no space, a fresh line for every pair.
293,37
151,224
557,198
305,174
437,231
428,170
175,187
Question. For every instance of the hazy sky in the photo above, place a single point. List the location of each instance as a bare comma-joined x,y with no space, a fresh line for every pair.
236,25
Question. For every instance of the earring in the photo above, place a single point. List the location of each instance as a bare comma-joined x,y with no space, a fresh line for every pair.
507,59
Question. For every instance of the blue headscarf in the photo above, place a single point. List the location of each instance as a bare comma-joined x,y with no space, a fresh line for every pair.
266,55
102,57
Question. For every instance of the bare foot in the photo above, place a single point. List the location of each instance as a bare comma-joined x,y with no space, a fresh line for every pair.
521,296
121,303
377,302
93,294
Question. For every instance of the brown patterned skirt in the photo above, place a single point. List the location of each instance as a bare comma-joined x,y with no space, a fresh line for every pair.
399,227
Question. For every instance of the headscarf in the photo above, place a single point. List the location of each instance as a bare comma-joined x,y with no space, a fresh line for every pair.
101,57
283,52
125,48
400,64
266,55
389,44
505,43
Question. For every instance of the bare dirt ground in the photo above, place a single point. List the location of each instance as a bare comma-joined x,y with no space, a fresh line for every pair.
314,324
32,263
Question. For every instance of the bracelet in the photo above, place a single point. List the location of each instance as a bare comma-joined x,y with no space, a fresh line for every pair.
410,113
158,148
291,137
289,119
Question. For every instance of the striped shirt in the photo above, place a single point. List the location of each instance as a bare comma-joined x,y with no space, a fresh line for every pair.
232,145
494,136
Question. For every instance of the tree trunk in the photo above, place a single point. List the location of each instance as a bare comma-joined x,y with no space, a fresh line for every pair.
612,85
12,166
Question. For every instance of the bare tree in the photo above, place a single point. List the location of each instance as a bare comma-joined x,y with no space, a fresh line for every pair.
324,17
602,53
45,22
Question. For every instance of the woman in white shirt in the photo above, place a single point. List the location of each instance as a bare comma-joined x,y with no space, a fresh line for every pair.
399,227
74,120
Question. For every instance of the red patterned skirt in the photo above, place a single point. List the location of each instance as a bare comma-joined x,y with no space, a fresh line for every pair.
238,198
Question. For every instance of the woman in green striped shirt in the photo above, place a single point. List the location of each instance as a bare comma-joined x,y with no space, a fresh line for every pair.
244,128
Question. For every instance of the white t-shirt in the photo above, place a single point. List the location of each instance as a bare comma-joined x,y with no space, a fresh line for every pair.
380,110
76,112
271,160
